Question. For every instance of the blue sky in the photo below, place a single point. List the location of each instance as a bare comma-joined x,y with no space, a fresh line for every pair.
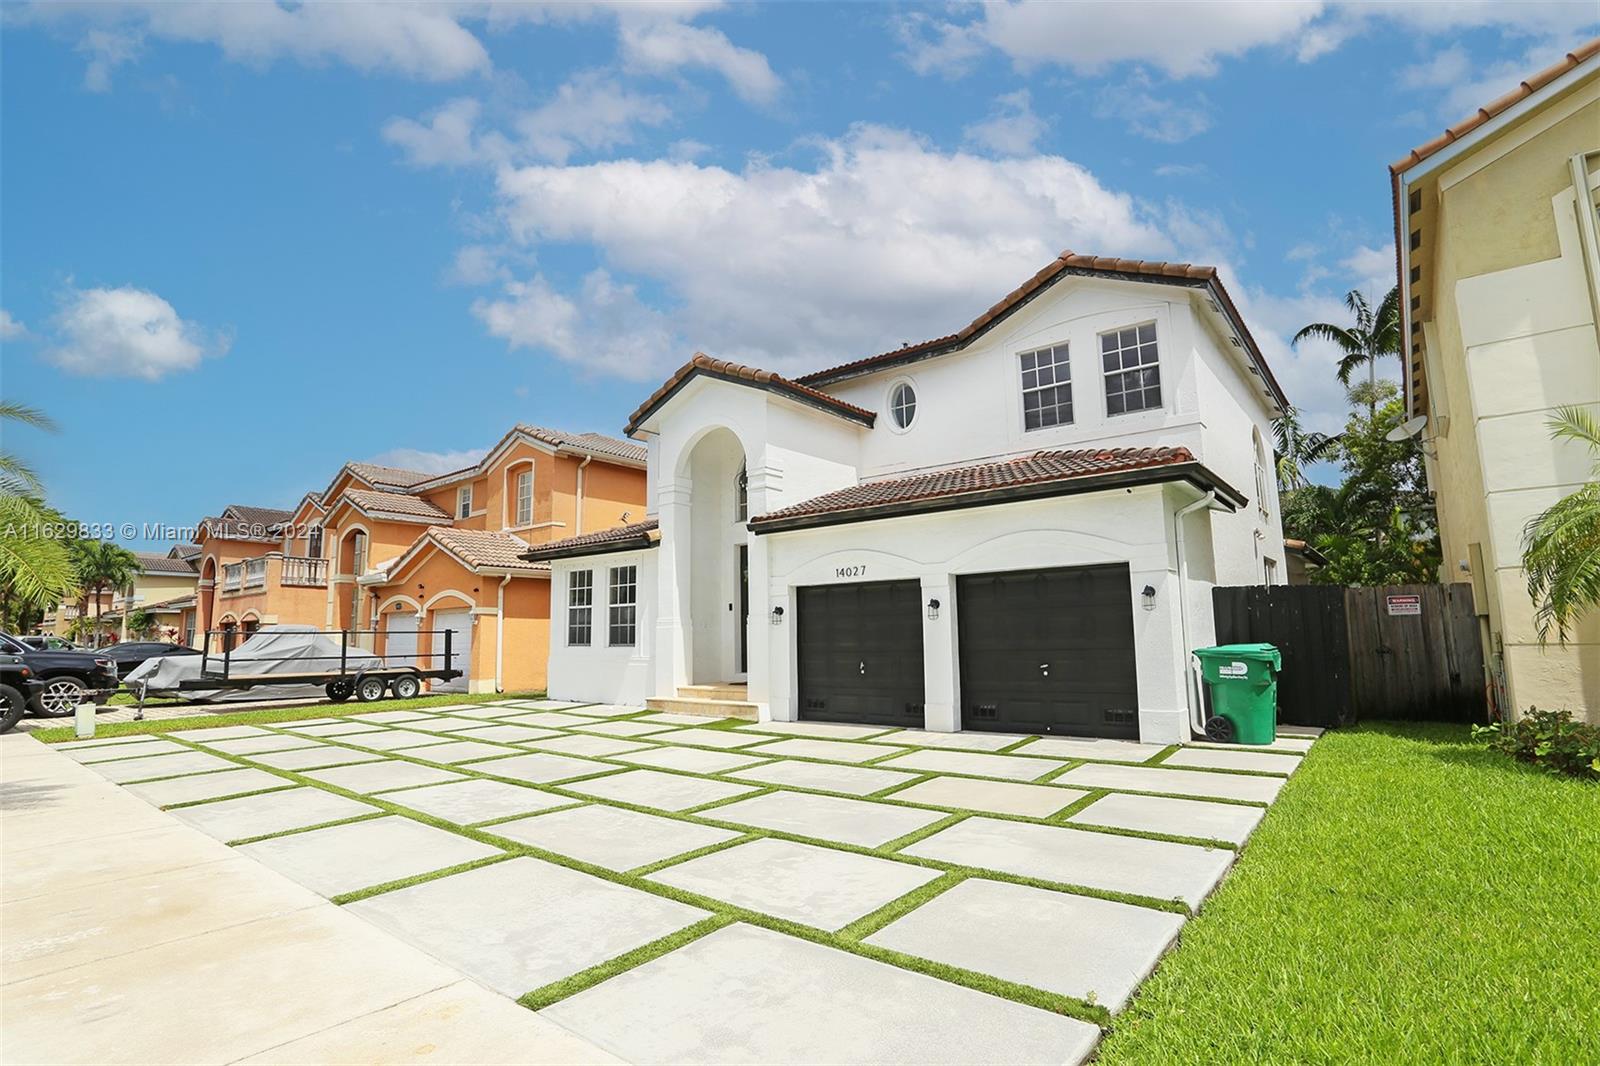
241,244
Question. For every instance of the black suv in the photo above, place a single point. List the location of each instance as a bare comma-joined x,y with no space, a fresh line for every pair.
65,677
17,687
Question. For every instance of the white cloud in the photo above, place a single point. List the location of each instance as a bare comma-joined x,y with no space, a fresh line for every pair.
662,46
476,264
1372,269
107,50
1191,39
747,261
128,332
590,112
603,328
12,329
1148,116
1011,128
429,462
446,136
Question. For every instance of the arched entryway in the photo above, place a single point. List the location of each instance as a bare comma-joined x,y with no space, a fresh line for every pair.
716,589
206,595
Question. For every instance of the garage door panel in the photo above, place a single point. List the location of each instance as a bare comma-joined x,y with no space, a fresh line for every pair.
459,623
1048,651
860,653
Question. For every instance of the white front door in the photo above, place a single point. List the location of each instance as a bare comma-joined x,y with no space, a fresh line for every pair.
400,639
459,623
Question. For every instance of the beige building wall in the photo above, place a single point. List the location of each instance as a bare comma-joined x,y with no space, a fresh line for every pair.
1513,336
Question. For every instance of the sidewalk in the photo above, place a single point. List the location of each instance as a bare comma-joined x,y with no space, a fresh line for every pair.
126,937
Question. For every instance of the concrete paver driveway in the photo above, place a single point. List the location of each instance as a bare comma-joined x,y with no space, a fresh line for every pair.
665,890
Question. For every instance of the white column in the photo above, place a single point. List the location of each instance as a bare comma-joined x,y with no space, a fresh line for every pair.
673,630
941,701
768,680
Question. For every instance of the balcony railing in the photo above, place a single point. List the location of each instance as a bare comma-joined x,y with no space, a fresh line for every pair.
255,573
303,571
232,577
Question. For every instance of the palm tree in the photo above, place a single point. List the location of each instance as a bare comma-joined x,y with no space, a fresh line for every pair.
1296,449
103,565
1561,545
1374,335
35,567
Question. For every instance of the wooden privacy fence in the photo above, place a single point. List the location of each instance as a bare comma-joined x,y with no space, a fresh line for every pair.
1402,651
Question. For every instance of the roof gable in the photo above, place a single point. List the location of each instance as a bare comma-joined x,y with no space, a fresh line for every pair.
702,365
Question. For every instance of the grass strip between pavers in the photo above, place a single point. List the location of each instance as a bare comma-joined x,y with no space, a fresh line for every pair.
848,939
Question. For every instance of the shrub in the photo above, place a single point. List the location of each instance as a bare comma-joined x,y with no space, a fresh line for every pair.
1550,739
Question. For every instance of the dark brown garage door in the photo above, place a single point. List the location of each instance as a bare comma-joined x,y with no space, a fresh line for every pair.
1048,651
860,653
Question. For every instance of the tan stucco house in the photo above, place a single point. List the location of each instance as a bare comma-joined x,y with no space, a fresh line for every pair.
1499,271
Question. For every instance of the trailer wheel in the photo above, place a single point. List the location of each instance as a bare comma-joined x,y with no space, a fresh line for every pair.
13,705
369,689
406,687
339,691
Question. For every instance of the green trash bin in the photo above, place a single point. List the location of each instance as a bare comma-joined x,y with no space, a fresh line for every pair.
1243,679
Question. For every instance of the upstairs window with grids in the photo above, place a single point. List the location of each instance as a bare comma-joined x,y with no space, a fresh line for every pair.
1132,369
524,498
623,604
580,608
1046,388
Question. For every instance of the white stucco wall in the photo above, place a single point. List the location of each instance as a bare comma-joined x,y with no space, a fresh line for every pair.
600,673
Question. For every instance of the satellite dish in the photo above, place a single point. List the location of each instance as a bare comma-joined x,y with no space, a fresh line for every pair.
1407,429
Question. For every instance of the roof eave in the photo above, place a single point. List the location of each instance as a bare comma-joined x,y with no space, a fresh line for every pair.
776,388
1194,473
582,551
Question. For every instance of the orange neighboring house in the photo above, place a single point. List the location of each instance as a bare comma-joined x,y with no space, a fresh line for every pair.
400,556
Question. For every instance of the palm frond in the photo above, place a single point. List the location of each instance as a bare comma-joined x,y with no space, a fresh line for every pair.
1351,363
1579,424
1327,331
1561,554
12,411
37,568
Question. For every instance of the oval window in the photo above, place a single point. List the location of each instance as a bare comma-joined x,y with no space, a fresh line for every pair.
903,405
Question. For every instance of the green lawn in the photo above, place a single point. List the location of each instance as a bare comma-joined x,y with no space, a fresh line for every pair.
1411,898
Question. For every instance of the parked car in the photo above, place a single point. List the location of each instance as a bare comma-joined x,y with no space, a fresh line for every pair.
17,687
50,642
134,653
66,677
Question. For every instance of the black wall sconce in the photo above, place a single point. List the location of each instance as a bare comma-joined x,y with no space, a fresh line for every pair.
933,610
1148,596
777,616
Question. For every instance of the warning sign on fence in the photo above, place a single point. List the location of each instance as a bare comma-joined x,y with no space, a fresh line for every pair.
1405,604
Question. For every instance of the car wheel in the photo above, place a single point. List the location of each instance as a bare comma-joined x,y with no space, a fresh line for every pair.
59,698
406,688
339,691
13,705
369,689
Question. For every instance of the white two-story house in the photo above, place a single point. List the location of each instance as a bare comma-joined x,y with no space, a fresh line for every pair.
1014,528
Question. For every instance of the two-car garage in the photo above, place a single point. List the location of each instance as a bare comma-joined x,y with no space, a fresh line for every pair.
1039,651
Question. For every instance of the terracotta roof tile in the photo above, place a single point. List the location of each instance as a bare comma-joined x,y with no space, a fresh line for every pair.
598,443
1530,85
158,563
392,477
1040,468
258,516
1067,263
483,547
395,505
234,529
703,364
634,535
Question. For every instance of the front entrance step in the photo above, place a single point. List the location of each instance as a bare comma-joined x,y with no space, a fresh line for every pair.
731,691
709,708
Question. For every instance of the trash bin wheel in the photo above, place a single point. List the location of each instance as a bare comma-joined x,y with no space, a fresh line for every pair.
406,687
339,691
1219,729
369,689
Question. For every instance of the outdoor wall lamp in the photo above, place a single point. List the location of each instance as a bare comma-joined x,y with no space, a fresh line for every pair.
933,610
1148,596
777,616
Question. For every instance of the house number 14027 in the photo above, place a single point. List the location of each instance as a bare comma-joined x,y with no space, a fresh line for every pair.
859,570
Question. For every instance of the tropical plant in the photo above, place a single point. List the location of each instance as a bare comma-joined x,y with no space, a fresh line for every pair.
1295,449
35,567
1561,544
142,624
1375,334
103,566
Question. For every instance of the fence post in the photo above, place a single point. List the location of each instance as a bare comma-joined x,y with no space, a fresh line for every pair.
449,657
344,647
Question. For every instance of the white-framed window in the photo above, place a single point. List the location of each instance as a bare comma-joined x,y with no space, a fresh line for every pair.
314,542
358,553
580,608
1263,486
524,498
1046,387
1132,368
622,605
464,501
902,405
741,495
